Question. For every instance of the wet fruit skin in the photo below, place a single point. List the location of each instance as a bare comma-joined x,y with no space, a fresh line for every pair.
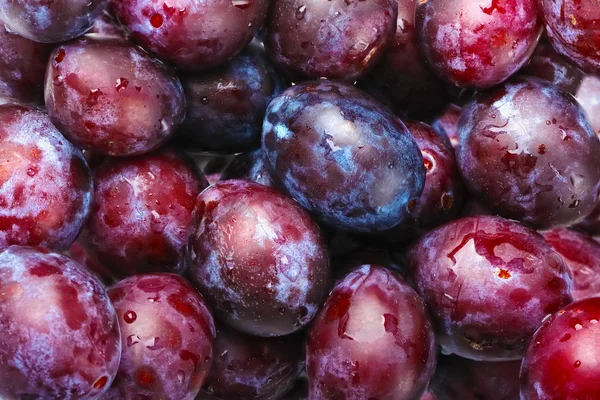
488,282
447,123
311,39
581,254
59,335
45,183
588,98
250,367
442,195
572,28
52,21
250,166
343,156
258,258
372,339
191,34
562,361
142,211
110,97
22,68
528,153
459,378
167,334
477,43
225,107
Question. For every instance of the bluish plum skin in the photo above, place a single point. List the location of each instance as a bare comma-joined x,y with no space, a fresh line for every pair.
191,34
110,97
563,361
142,211
443,192
371,340
22,68
45,183
477,43
250,166
458,378
258,258
447,123
343,156
50,21
528,153
488,282
312,39
167,334
250,367
581,254
59,335
225,107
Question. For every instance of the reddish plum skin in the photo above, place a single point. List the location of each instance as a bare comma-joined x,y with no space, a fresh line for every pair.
59,335
588,97
562,362
250,367
547,64
458,378
477,43
167,334
110,97
488,282
45,183
528,153
250,166
372,339
312,39
225,107
22,68
402,76
50,21
105,26
343,156
572,27
582,256
443,192
191,33
429,396
259,259
142,211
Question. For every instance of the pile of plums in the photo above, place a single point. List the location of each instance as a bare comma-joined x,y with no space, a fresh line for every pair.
299,200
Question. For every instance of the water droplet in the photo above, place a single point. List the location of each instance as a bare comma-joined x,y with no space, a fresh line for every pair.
548,122
156,20
180,376
132,340
60,56
32,171
242,3
57,80
204,100
130,317
577,364
300,12
122,84
281,310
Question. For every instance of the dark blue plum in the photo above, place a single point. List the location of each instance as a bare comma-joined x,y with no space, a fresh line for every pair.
226,106
250,166
343,156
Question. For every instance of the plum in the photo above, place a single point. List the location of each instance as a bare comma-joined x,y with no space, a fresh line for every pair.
588,98
250,166
447,123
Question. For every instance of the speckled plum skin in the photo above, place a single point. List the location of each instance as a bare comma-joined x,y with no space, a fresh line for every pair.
250,367
402,76
588,96
59,335
22,68
167,334
343,156
371,340
249,166
142,211
192,34
581,254
458,378
563,360
110,97
258,258
312,39
443,192
572,27
488,282
477,43
45,183
50,21
447,123
528,153
225,107
547,64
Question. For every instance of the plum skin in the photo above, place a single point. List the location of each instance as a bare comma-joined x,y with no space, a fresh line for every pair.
258,258
488,283
59,332
167,333
331,147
